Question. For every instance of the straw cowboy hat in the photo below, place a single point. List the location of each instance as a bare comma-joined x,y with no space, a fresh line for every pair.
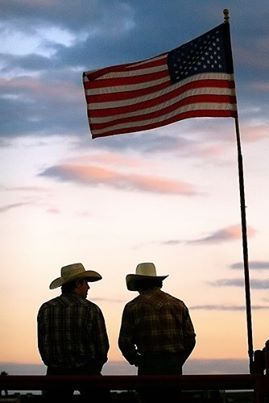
143,271
73,272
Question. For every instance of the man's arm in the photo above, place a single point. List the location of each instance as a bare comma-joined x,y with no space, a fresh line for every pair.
189,336
126,341
102,343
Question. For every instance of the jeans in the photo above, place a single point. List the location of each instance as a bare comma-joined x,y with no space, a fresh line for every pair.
65,393
160,364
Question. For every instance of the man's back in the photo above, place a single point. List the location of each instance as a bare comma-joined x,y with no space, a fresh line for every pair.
156,322
69,327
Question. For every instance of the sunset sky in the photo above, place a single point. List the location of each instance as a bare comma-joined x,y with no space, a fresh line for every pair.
167,195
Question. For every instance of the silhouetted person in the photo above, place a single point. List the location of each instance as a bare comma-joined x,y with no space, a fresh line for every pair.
72,337
156,333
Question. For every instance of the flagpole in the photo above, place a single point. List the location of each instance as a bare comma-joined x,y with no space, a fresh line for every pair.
245,245
244,232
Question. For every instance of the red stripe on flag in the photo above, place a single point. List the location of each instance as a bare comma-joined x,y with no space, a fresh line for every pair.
182,116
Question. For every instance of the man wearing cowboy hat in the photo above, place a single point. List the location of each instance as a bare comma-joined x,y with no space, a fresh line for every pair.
156,333
72,337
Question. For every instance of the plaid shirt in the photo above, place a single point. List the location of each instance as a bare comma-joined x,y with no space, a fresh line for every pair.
71,332
155,322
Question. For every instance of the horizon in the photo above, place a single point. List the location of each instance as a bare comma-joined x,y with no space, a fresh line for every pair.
203,367
191,367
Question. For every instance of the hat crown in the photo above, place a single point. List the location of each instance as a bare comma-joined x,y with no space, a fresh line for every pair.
146,269
72,270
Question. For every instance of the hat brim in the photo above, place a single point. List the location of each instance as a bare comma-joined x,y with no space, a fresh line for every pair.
89,275
132,280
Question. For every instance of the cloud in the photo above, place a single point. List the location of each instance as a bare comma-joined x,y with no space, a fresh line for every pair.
253,133
172,242
113,300
226,307
34,106
93,16
115,159
24,189
11,206
232,233
186,143
223,235
253,265
53,210
95,175
227,234
238,282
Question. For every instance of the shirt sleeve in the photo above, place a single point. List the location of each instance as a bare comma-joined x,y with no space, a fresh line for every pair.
126,341
189,337
101,338
42,347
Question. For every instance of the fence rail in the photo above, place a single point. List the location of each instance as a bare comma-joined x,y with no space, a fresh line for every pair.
257,382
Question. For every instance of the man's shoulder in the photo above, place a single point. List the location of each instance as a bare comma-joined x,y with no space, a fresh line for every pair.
157,298
47,305
52,301
133,301
69,300
173,299
76,300
90,304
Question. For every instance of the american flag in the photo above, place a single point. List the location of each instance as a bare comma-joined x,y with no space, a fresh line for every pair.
193,80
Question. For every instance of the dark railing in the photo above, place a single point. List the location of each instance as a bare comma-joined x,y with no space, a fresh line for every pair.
259,383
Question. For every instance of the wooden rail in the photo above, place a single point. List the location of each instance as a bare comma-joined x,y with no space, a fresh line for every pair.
259,383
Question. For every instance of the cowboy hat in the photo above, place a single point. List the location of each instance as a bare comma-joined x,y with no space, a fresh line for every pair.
143,271
73,272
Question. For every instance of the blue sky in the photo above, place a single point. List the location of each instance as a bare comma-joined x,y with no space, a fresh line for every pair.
169,196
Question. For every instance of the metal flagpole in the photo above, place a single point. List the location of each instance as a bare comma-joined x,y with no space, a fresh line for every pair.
245,245
244,232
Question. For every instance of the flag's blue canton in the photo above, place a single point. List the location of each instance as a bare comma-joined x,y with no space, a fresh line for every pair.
205,54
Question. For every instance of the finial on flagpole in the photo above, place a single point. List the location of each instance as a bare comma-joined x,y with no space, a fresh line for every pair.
226,15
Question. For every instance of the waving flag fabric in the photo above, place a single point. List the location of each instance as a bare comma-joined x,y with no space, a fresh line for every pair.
193,80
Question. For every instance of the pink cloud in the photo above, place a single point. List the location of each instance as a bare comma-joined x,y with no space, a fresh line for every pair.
95,175
231,233
255,133
53,210
115,159
40,89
